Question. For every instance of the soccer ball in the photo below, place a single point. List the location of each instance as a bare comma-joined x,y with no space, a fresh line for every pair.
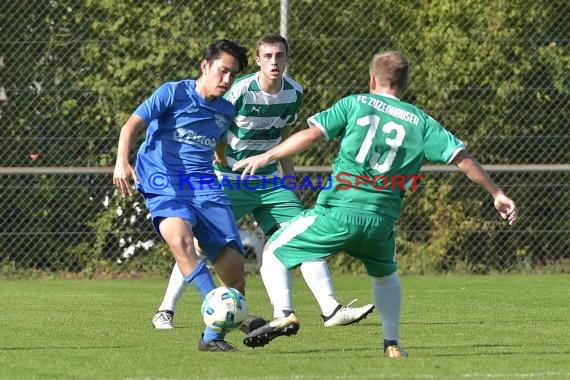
224,309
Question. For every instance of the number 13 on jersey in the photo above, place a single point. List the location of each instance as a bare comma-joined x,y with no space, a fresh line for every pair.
373,122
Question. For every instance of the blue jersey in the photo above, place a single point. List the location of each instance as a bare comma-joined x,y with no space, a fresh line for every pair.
183,129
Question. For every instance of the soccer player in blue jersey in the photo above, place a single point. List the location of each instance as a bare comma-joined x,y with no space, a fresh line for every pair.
267,104
381,137
186,120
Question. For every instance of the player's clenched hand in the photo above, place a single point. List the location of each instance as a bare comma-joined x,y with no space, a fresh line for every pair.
122,177
251,164
220,160
507,208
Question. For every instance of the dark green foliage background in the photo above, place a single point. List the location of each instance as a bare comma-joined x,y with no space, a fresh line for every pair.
496,74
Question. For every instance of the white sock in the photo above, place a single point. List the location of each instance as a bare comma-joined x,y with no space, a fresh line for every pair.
388,301
176,286
318,278
278,281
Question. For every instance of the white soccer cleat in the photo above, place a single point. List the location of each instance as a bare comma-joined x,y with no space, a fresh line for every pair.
346,315
163,320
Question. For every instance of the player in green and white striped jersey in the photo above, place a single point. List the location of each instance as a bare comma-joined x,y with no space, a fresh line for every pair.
263,119
382,138
266,106
266,103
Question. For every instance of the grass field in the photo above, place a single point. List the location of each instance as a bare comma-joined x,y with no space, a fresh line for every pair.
454,327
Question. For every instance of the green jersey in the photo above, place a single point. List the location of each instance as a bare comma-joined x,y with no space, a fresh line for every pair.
259,119
384,143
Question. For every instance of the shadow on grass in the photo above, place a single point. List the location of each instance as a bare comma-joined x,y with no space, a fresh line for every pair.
65,348
377,350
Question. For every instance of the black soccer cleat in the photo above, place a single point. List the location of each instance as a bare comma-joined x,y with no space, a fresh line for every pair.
252,322
216,346
284,326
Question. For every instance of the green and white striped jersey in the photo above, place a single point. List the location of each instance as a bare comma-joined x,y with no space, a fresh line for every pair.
259,119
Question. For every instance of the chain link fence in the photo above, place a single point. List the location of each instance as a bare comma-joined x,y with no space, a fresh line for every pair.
496,75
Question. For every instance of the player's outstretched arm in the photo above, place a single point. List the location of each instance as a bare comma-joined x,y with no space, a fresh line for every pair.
475,172
298,142
220,152
123,170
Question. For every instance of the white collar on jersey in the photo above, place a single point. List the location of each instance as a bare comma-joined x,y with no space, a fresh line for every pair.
389,96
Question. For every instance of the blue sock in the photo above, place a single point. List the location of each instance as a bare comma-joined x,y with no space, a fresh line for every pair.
388,342
210,335
201,279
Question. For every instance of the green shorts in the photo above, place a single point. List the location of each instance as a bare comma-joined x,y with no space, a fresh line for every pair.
269,207
324,231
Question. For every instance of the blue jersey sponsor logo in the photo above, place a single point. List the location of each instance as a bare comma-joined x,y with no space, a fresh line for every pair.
185,136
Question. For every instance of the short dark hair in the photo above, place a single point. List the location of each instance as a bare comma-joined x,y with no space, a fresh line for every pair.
215,50
271,39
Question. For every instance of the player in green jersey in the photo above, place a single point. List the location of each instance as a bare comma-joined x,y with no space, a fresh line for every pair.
266,105
383,140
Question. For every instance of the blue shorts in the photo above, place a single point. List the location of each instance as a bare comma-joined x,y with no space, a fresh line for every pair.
212,220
